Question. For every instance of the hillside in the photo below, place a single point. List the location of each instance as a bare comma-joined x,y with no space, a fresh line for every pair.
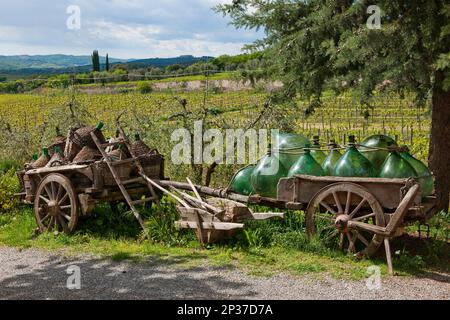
57,61
14,67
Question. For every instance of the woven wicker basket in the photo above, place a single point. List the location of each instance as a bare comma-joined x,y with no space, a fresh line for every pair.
57,142
82,137
41,162
87,154
139,148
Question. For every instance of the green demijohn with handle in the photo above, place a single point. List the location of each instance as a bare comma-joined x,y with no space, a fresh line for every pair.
330,162
396,167
353,163
316,151
288,148
242,181
267,174
377,157
424,174
307,165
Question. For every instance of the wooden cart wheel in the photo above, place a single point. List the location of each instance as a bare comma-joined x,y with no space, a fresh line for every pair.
56,205
334,206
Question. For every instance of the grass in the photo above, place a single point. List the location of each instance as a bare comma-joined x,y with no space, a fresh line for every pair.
276,246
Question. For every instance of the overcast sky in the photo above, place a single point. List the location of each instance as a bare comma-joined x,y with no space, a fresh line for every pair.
123,28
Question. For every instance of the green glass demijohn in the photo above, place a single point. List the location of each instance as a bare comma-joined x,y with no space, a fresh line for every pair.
241,182
330,162
424,174
377,157
397,167
316,151
353,163
289,147
307,165
267,174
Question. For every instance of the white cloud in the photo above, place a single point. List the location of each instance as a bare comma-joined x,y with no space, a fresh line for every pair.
123,28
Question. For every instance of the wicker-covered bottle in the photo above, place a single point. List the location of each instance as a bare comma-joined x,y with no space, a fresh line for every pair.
42,161
82,137
58,141
57,159
87,154
117,154
139,148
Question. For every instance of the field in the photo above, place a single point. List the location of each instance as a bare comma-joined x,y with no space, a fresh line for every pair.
27,122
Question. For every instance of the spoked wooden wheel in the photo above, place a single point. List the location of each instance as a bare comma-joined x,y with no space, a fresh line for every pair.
56,205
330,211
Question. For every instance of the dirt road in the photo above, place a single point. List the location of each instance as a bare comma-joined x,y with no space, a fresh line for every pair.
32,274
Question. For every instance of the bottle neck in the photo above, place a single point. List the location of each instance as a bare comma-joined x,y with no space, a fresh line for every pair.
99,126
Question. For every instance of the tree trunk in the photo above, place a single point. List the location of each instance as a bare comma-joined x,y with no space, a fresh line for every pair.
439,160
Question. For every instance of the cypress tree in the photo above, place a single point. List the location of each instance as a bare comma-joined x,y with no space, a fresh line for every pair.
95,61
107,63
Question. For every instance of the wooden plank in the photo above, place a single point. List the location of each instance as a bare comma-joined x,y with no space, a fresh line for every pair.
267,215
223,226
352,179
65,168
397,218
134,180
201,203
153,183
194,189
188,214
302,189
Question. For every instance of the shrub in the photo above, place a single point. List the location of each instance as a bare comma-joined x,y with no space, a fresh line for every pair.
144,87
7,165
9,185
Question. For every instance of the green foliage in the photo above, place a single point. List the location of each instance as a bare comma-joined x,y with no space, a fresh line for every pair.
20,86
320,43
59,82
107,63
229,63
95,61
8,165
144,87
9,185
161,225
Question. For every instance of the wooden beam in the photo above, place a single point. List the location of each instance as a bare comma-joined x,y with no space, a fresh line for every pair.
224,226
266,216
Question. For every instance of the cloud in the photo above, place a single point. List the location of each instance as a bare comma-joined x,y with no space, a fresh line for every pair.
124,28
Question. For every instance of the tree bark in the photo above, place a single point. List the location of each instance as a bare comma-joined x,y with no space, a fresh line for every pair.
439,160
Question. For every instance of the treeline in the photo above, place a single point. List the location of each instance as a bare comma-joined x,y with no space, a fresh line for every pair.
249,66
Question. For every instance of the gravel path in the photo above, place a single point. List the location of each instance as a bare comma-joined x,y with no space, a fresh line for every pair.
32,274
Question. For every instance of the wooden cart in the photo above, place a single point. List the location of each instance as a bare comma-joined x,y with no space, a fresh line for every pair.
62,193
359,214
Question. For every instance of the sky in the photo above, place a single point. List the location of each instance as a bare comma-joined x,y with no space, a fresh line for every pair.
128,29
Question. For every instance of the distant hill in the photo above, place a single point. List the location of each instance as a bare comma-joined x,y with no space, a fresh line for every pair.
164,62
16,66
57,61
